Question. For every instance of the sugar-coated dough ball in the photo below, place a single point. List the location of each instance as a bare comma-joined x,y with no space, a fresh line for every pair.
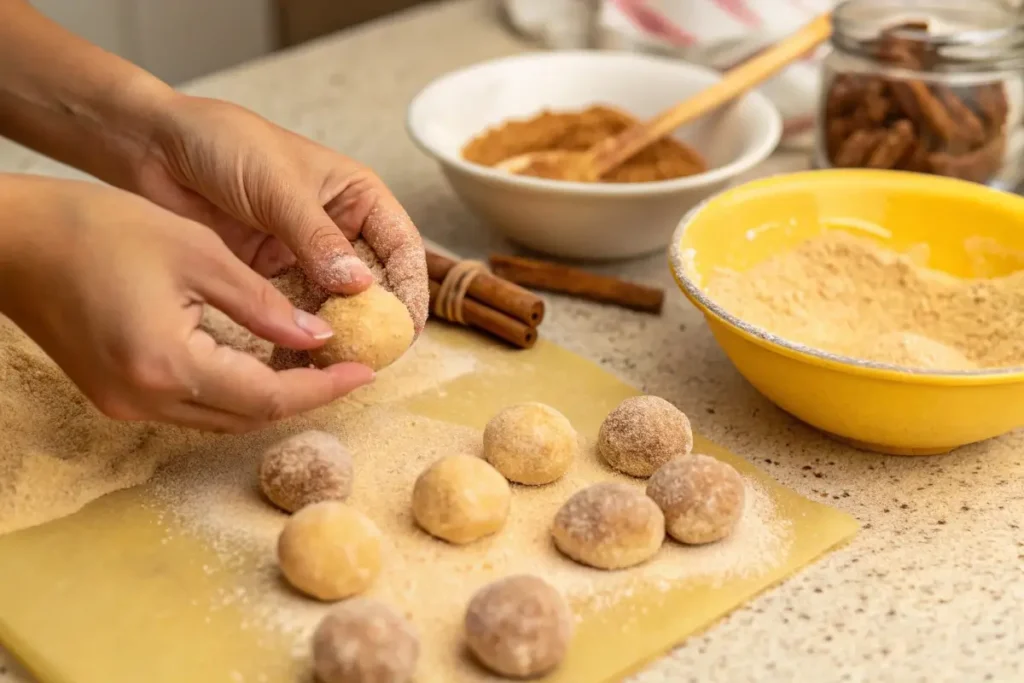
460,498
373,328
642,434
530,443
702,498
609,526
364,641
519,626
306,468
329,551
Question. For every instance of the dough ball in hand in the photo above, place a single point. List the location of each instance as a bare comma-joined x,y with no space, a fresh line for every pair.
364,641
530,443
373,328
460,498
306,468
642,434
609,526
329,551
702,498
519,627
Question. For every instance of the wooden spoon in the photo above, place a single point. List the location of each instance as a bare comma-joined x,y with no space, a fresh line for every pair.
608,154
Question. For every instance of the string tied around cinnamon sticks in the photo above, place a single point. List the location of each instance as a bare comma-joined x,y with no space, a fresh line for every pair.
467,293
452,293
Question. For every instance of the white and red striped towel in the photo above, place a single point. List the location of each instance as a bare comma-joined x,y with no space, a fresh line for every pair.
722,33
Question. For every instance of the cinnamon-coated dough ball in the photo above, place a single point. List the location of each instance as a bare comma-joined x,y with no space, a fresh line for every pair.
329,551
701,497
460,498
642,434
364,641
519,626
373,328
609,526
530,443
306,468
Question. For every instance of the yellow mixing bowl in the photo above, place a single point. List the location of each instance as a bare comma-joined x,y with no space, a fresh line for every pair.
971,231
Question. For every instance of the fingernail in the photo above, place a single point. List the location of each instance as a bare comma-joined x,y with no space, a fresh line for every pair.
344,269
315,327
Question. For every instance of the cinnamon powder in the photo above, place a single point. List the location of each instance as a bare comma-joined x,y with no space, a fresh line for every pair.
848,295
576,132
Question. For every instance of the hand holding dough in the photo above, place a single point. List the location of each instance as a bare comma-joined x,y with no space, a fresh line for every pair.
373,328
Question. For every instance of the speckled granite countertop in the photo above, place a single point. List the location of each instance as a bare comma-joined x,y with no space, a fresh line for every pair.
929,591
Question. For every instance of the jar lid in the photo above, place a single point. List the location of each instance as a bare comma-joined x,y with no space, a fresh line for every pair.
965,36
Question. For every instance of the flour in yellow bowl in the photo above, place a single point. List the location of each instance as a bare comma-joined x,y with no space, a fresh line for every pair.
884,308
849,295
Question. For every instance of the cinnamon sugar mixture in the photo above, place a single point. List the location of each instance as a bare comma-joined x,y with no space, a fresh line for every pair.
576,132
850,296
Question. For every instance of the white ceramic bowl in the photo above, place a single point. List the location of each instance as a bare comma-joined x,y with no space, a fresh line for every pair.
585,220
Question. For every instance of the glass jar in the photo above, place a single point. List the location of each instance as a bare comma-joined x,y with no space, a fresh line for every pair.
933,86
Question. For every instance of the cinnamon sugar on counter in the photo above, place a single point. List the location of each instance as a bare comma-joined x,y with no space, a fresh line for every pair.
848,295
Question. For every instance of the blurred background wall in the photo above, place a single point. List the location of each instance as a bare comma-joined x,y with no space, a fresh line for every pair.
183,39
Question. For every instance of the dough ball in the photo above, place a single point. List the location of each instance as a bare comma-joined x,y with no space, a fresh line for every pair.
364,641
329,551
519,627
373,328
642,434
306,468
460,498
702,498
530,443
609,526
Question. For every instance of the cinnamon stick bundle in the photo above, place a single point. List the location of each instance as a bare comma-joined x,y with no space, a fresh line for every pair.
491,320
499,294
555,277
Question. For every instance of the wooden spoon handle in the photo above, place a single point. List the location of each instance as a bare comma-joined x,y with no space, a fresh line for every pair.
610,152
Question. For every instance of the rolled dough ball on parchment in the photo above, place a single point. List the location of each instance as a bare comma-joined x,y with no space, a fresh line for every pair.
701,497
373,328
460,498
530,443
329,551
642,434
364,641
519,626
306,468
610,525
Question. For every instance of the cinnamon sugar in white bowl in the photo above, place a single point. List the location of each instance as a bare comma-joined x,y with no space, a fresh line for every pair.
585,220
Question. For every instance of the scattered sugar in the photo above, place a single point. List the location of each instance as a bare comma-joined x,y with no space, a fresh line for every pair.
208,488
214,494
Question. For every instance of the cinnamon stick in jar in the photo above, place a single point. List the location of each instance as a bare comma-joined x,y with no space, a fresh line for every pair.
490,320
560,279
499,294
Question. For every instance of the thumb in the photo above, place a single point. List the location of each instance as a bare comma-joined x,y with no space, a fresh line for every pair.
322,250
251,301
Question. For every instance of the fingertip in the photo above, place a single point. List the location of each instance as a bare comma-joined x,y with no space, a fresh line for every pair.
343,273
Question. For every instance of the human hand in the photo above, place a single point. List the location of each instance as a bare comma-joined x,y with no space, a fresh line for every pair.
112,287
271,193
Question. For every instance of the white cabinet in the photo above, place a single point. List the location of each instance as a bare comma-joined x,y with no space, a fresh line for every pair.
175,39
